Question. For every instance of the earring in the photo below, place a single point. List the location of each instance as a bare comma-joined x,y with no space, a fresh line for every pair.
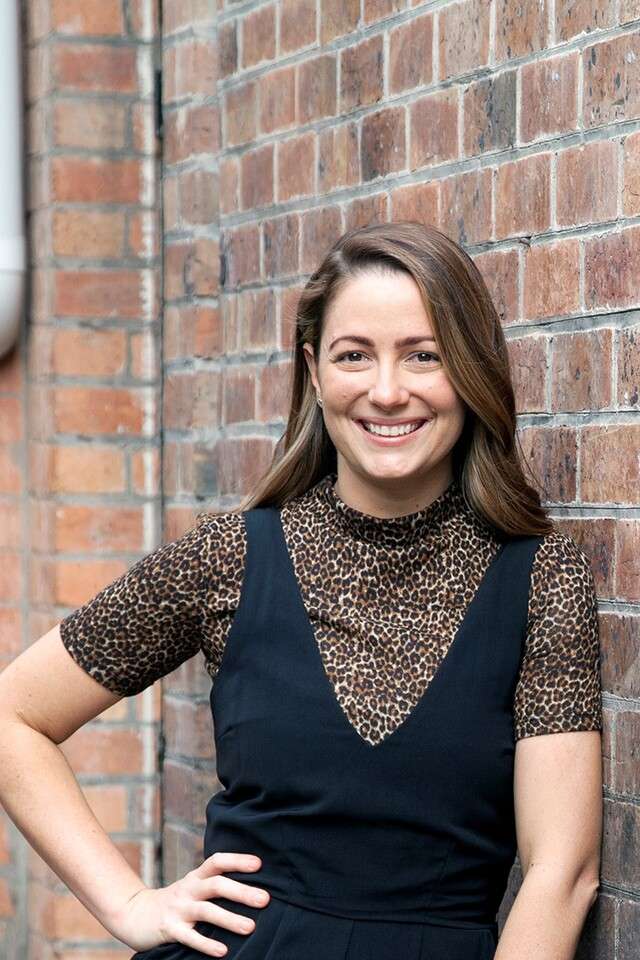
319,400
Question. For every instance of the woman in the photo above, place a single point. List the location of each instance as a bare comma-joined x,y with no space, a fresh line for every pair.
403,648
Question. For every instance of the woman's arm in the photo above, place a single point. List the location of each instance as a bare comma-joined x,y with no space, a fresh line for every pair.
558,804
45,696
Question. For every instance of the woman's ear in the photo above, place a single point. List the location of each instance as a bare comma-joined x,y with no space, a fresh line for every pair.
311,363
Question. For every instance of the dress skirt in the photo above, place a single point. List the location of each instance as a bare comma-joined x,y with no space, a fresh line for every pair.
286,931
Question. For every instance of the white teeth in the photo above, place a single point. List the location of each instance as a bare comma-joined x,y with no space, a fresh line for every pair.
398,431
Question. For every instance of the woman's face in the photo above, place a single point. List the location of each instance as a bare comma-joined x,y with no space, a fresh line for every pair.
368,376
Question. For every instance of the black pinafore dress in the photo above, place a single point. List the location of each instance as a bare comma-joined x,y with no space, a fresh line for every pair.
369,852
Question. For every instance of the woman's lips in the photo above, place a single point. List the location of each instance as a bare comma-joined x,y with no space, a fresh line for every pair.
392,441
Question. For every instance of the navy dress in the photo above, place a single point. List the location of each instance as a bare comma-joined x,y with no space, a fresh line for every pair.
369,852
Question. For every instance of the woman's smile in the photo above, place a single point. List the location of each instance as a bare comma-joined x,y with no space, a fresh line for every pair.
394,432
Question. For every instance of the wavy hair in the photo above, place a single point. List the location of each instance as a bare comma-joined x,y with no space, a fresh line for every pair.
486,459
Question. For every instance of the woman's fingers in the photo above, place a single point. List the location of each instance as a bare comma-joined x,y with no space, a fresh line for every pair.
221,886
221,861
191,938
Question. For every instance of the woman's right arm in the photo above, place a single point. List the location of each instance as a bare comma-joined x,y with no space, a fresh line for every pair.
45,696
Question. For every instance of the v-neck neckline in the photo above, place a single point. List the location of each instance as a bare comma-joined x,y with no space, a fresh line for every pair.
424,700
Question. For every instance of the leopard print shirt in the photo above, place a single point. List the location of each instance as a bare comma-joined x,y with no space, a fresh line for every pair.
385,597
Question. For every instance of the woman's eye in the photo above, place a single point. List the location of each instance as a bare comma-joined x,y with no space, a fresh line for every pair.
352,353
423,353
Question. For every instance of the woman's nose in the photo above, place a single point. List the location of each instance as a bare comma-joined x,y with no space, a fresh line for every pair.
388,389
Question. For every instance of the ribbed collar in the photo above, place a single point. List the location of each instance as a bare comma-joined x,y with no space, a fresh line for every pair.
393,531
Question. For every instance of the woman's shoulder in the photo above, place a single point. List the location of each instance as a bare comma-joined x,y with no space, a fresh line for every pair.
559,556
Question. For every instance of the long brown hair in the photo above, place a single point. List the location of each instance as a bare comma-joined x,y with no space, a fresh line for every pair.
486,460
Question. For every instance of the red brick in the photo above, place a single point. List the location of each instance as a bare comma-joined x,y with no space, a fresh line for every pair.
611,269
87,352
78,470
93,180
10,525
256,177
144,357
361,74
178,14
339,159
574,18
377,9
631,175
587,184
296,168
242,253
239,395
551,279
194,71
258,36
320,229
528,360
464,37
500,270
410,54
434,128
240,105
187,728
192,331
241,462
99,293
629,367
551,453
190,131
143,239
620,647
80,529
145,472
199,196
274,392
382,149
102,127
107,69
76,582
520,30
192,400
549,97
227,48
465,205
11,425
338,17
281,245
229,172
90,411
418,201
297,24
277,100
581,371
186,792
363,210
257,320
596,537
317,89
490,113
612,80
11,578
79,18
523,196
627,569
610,463
87,234
114,751
10,474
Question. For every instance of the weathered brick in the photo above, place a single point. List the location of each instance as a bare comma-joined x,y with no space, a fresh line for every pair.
490,114
523,196
239,395
338,17
92,411
434,128
241,247
620,654
574,18
551,279
88,234
101,293
610,463
339,158
87,352
108,69
319,229
520,29
102,127
411,54
79,18
611,80
500,270
551,453
281,245
382,149
257,320
94,180
240,109
465,205
610,269
549,97
199,196
581,368
297,24
528,359
464,37
587,184
361,74
256,177
317,89
277,100
296,168
258,35
629,367
79,529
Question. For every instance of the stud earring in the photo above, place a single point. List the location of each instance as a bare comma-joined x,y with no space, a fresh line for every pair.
319,400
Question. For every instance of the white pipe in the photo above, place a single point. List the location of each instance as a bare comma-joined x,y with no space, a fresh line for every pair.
12,228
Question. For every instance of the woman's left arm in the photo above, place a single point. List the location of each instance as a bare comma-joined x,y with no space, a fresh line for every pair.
558,805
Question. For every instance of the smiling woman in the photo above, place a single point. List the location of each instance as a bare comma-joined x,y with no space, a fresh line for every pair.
403,648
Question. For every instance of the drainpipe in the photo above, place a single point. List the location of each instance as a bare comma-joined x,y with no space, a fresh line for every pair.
12,228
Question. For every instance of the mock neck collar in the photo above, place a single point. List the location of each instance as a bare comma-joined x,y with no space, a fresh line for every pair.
393,531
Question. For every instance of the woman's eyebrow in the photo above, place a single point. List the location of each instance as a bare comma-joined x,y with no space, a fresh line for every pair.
405,342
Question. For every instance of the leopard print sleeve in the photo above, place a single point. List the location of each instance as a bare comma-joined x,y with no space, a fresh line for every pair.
559,685
175,601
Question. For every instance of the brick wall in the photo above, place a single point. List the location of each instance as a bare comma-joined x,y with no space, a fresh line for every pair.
514,127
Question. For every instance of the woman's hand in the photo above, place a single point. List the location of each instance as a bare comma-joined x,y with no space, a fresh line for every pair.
154,916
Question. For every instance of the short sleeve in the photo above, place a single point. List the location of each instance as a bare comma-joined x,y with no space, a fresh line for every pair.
152,618
559,685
